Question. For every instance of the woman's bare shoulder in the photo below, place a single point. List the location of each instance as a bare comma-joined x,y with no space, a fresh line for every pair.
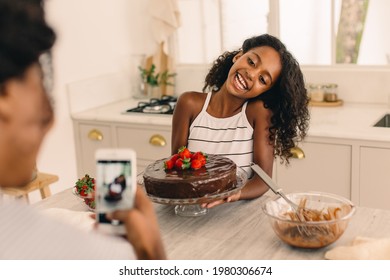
192,99
189,105
193,96
258,106
256,111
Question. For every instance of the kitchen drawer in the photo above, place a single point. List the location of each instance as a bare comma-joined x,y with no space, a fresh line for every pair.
91,137
325,168
374,177
141,140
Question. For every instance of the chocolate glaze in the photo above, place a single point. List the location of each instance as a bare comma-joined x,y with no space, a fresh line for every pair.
217,176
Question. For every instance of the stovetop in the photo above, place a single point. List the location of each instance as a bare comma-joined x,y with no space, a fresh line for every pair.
164,105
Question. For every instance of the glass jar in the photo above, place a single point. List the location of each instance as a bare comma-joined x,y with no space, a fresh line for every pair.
317,93
138,89
331,92
308,89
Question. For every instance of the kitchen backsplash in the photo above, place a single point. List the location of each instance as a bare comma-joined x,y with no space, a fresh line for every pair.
357,85
363,85
98,91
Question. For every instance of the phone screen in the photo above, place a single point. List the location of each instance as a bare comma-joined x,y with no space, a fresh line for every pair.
115,189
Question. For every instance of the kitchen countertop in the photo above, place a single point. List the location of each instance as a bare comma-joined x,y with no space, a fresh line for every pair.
113,113
349,121
237,230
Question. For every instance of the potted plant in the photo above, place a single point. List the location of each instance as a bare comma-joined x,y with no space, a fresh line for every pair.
155,83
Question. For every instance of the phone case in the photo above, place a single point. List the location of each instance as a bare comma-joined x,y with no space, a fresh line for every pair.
115,186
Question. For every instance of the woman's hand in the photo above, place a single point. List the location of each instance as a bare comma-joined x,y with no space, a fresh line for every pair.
228,199
255,187
141,227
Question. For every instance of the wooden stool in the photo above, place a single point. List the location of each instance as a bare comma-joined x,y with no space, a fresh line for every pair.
41,183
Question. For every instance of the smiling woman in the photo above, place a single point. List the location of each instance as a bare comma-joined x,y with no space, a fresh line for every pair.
253,108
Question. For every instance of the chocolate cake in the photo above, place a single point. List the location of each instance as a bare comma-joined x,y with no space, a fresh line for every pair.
218,175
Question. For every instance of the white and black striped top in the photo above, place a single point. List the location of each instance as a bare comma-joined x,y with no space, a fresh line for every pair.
231,137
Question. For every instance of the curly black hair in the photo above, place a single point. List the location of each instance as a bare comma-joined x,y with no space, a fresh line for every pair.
287,99
24,36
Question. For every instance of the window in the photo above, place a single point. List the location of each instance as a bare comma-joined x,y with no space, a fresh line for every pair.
305,28
222,25
311,30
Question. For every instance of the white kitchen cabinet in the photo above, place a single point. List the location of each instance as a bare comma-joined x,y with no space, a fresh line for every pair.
326,167
151,142
90,136
375,177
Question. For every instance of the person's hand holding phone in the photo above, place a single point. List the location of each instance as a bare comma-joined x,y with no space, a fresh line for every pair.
142,229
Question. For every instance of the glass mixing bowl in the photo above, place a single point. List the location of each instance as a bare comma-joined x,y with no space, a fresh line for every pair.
326,218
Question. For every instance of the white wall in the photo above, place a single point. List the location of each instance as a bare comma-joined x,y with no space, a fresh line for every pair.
95,37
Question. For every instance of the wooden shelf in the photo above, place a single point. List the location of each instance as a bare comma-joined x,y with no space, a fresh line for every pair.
326,104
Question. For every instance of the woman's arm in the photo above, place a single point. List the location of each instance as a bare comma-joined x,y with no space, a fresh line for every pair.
187,108
263,150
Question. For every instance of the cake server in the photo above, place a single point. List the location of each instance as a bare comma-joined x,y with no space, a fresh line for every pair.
302,214
271,184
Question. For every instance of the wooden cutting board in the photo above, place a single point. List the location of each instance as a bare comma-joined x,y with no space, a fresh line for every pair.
163,62
326,104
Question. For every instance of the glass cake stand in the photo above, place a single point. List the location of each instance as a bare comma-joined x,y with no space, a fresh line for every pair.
190,207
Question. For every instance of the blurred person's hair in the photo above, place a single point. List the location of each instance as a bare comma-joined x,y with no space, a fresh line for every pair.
24,36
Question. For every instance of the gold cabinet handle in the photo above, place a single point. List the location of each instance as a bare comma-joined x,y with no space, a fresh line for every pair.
157,140
95,135
297,153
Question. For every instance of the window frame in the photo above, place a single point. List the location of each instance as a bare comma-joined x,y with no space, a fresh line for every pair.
273,28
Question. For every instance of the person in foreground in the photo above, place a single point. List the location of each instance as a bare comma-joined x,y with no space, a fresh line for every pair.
26,115
255,108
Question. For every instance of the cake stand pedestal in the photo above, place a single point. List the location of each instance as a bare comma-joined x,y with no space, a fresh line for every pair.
192,210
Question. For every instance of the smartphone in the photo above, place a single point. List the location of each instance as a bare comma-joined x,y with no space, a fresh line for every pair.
115,186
